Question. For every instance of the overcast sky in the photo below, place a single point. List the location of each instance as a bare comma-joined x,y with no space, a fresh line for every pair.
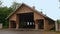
49,7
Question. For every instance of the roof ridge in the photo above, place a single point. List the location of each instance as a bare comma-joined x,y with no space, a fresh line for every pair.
32,9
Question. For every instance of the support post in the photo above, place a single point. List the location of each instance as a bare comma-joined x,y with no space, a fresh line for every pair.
17,26
56,26
36,25
17,22
9,25
45,25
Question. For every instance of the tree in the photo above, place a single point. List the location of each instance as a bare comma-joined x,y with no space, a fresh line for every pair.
15,5
0,3
58,21
4,12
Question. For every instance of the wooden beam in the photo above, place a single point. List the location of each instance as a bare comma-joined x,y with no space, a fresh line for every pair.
36,25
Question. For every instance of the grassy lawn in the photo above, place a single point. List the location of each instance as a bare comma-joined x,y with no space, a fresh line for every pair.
58,32
49,32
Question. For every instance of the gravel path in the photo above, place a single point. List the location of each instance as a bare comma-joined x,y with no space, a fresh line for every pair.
24,32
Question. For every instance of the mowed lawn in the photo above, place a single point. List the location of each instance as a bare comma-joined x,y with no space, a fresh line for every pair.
51,32
7,31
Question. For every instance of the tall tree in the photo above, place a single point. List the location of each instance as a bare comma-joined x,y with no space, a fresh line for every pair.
58,21
15,5
0,3
4,12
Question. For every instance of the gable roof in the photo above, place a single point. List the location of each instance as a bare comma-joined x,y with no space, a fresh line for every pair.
30,8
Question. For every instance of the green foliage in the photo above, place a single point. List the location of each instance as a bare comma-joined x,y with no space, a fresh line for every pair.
0,2
22,24
4,12
53,29
15,5
58,21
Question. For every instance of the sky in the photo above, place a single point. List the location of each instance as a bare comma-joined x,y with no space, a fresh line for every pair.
49,7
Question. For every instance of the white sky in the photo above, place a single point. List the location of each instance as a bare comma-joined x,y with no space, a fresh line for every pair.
50,7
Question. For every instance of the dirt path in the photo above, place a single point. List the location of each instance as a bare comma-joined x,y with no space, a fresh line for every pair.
24,32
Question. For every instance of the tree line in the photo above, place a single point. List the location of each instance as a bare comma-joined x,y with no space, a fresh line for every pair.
5,11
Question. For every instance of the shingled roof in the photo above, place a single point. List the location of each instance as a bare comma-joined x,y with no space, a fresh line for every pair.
30,8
